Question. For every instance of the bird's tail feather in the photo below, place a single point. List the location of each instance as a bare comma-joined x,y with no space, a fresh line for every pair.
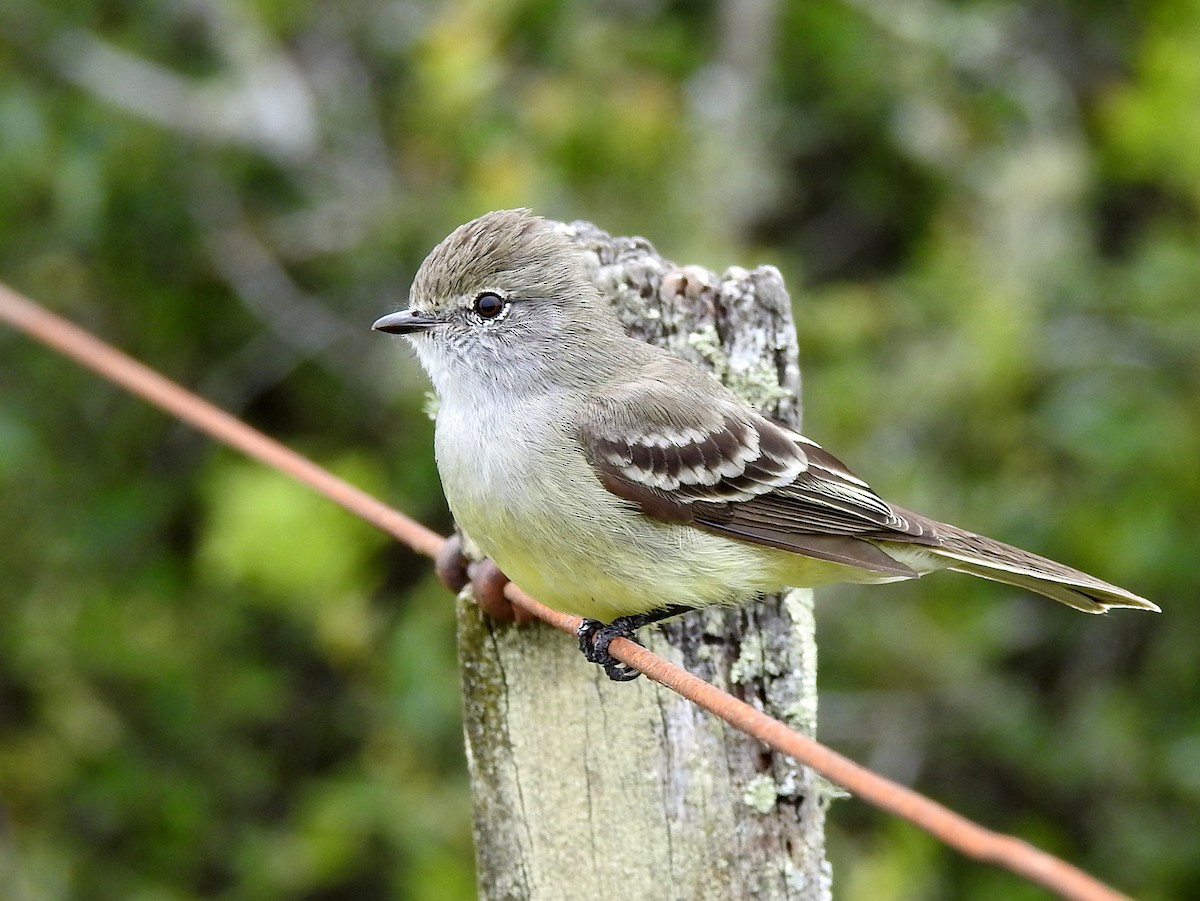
989,559
1089,600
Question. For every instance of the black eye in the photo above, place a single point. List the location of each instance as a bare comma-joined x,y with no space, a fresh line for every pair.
489,305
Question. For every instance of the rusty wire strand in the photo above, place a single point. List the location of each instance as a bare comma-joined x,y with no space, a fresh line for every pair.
964,835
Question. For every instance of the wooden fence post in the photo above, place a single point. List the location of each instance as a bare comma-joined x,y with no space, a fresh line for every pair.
587,788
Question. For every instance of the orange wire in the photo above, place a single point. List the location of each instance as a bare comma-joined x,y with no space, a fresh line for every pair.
958,832
139,379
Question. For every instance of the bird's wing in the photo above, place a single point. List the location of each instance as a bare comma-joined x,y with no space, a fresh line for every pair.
724,468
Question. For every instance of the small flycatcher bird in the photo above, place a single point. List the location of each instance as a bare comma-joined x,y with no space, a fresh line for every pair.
618,482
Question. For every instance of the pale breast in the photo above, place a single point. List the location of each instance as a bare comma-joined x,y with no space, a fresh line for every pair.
529,499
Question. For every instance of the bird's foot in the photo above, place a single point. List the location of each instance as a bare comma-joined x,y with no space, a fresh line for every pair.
594,639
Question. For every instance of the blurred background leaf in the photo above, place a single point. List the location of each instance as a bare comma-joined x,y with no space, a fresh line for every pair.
214,685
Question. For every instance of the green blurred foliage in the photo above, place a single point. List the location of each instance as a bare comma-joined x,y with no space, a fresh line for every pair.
214,685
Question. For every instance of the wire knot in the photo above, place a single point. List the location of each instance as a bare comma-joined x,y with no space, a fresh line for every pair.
487,582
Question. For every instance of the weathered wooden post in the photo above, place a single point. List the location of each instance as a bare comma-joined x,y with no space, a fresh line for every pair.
584,787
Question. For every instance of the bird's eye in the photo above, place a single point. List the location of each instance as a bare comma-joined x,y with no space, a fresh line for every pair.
489,305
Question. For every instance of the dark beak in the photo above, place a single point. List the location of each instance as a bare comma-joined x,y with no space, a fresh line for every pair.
405,322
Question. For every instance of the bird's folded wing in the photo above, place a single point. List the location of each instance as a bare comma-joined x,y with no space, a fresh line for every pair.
724,468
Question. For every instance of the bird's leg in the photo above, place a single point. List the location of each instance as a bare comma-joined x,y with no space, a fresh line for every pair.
595,637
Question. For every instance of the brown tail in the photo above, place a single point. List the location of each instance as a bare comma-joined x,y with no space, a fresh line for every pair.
988,559
967,552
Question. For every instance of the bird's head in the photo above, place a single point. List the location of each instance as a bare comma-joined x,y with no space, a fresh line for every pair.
504,298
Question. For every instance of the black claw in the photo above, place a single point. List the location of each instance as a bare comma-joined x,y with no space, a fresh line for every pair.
619,672
586,632
595,637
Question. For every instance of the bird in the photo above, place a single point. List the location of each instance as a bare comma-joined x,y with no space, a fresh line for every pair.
618,482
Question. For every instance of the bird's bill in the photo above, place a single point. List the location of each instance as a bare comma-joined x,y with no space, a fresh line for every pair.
405,322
